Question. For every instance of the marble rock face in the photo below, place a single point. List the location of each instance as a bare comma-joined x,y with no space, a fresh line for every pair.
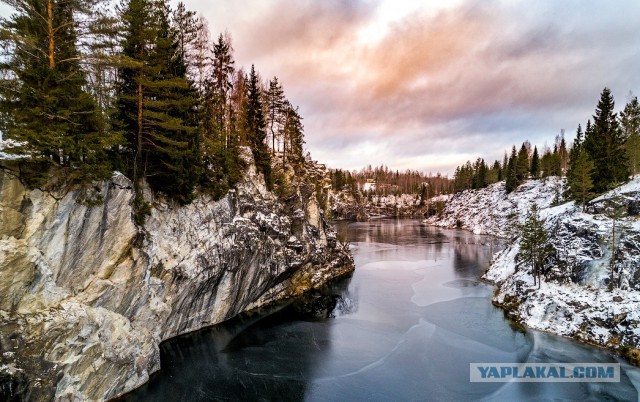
86,295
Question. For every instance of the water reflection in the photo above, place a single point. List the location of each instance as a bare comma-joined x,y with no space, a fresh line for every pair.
263,355
405,327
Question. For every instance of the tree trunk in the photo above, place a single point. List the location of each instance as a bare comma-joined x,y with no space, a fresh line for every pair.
284,141
138,158
539,277
273,138
51,55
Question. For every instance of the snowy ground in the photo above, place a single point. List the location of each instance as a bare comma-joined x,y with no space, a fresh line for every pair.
487,211
574,299
6,144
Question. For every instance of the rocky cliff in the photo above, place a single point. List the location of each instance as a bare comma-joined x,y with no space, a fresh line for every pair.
86,296
576,297
352,205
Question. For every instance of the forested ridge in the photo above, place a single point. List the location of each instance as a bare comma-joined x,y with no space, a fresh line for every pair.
600,158
89,86
392,182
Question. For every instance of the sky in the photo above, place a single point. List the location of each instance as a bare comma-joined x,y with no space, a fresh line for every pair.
430,84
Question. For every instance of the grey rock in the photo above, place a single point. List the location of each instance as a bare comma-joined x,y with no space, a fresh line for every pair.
86,296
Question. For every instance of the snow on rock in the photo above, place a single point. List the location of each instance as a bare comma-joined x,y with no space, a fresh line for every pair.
592,315
401,205
5,147
487,211
575,298
86,295
503,265
350,205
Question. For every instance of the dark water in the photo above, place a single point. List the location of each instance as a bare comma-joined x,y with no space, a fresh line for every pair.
404,327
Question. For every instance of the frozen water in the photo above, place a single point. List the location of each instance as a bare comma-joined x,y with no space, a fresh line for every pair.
404,327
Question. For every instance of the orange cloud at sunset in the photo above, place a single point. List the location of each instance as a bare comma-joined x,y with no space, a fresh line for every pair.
432,78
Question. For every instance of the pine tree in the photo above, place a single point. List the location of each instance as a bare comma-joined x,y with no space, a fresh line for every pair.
43,101
219,86
140,26
256,129
201,55
630,124
101,48
185,27
579,176
605,144
534,243
293,135
275,115
535,164
220,127
545,164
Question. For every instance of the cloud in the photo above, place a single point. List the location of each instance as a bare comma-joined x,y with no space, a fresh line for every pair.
467,79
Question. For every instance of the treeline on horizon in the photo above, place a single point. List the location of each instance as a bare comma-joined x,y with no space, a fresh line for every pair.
392,182
600,158
87,87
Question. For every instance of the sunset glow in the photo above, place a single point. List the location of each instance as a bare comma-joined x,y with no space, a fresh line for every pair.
463,78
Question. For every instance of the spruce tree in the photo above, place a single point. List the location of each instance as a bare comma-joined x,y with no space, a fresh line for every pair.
605,144
172,163
156,104
480,174
522,164
535,164
511,180
497,172
256,129
630,124
555,162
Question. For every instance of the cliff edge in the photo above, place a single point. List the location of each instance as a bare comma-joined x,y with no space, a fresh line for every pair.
86,295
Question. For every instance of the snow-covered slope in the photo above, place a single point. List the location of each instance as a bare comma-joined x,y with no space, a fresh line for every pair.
487,211
575,298
345,204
